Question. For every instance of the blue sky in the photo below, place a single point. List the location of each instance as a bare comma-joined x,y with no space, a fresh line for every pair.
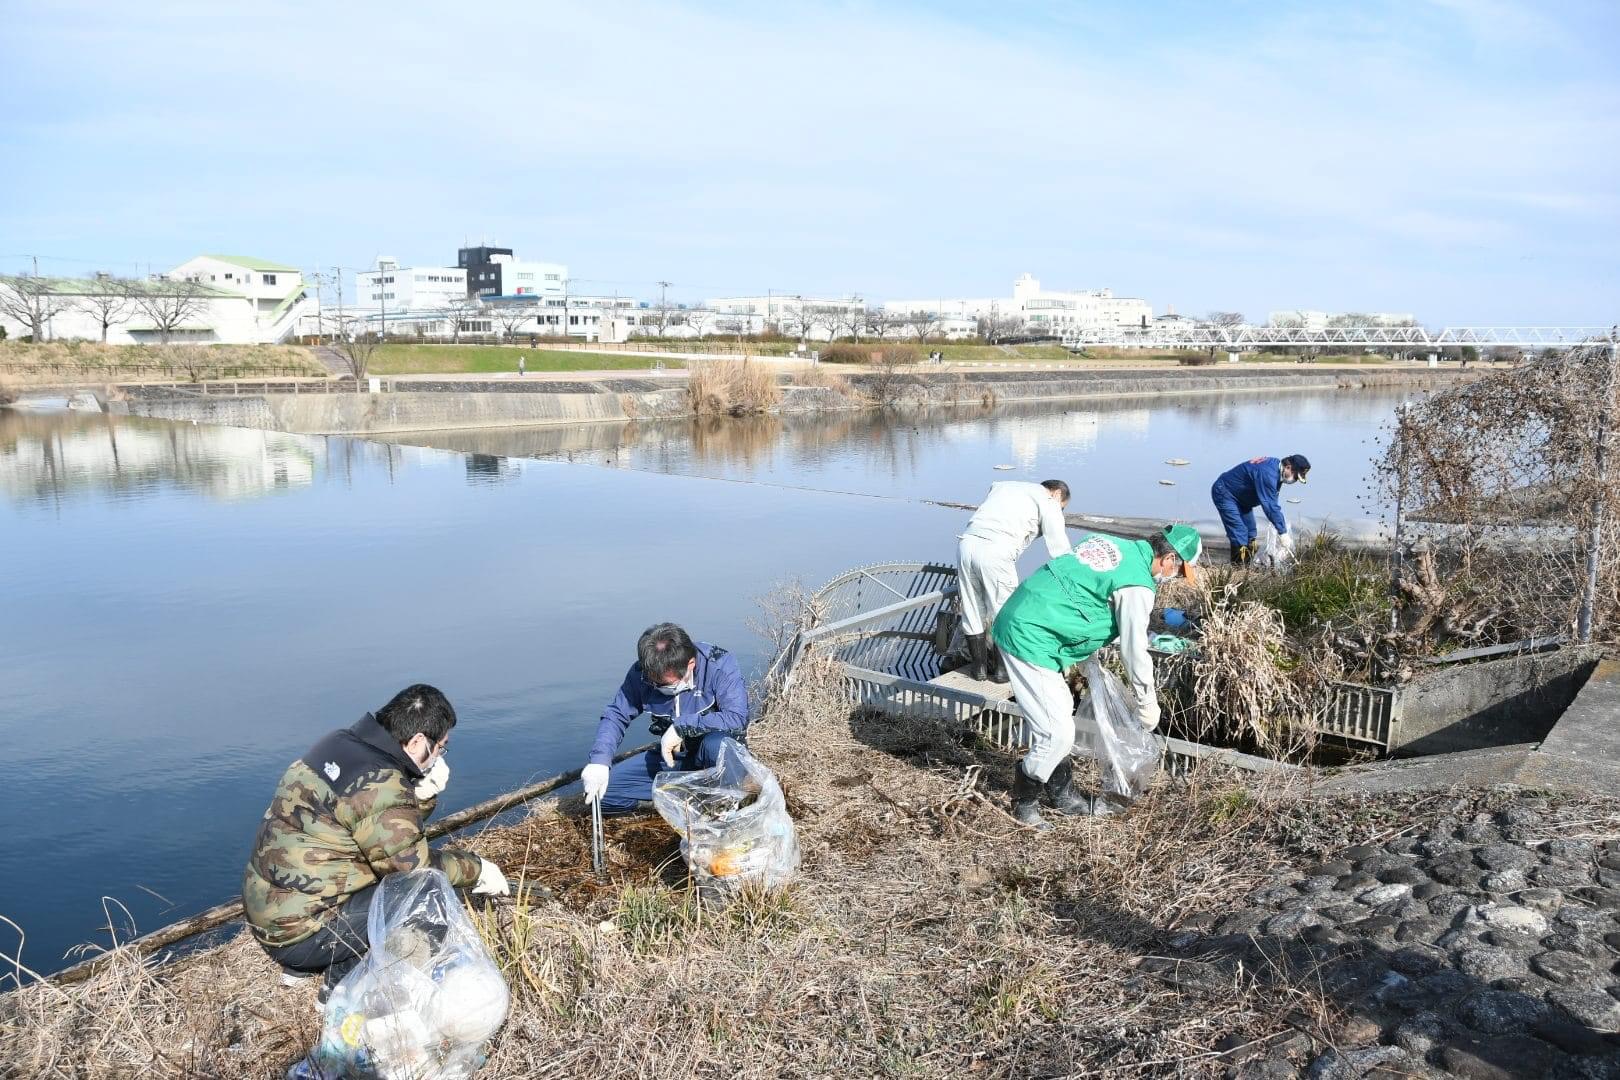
1453,158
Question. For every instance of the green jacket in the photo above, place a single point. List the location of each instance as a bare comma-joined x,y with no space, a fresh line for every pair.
344,815
1064,612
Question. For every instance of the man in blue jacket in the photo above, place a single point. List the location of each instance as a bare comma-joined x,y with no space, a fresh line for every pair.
697,699
1255,483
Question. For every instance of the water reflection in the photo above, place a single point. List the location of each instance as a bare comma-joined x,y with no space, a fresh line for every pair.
1113,452
48,457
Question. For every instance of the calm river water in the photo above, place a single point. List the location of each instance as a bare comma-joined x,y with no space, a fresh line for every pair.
187,608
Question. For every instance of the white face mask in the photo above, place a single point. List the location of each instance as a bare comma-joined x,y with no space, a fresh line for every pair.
681,687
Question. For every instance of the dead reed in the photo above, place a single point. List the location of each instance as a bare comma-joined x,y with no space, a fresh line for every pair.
731,388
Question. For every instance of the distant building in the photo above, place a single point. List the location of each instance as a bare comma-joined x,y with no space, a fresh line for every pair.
214,299
1033,309
795,316
409,288
1324,320
496,272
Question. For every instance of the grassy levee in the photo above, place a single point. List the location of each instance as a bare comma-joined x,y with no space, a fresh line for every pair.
489,359
57,362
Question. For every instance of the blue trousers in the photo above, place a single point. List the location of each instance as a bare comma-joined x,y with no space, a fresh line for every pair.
1238,522
630,781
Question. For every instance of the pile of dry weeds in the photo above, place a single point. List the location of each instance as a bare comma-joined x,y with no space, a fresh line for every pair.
927,935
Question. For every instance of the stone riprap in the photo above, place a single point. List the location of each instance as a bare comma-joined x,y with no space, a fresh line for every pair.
1478,949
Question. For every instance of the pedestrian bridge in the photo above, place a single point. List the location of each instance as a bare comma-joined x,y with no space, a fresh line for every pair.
1412,338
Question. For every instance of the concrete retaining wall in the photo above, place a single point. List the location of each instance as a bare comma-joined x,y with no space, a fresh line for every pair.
1489,703
432,406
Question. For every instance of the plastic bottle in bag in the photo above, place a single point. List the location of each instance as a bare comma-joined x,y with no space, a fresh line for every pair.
732,820
424,1001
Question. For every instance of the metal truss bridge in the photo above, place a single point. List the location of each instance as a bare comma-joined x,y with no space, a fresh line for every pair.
1413,338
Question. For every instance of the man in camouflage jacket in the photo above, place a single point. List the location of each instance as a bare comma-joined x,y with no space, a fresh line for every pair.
347,813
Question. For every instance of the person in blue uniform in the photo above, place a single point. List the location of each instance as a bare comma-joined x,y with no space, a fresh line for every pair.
697,698
1256,483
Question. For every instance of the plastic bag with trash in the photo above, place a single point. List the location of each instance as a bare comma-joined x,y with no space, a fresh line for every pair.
425,1000
1127,751
1270,554
732,820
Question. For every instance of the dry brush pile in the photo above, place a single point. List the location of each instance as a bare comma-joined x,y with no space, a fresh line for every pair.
927,935
1507,487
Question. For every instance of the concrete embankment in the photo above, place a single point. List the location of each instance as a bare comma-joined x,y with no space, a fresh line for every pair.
425,405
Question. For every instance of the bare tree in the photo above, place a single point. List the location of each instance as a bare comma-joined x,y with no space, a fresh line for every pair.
698,319
512,316
357,343
170,304
923,324
879,321
996,326
456,311
111,301
32,301
1225,319
850,318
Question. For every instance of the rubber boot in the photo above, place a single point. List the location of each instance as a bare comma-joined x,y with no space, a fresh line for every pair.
1060,795
998,667
1026,800
979,668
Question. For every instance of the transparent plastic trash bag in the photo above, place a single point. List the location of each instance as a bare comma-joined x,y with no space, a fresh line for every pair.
732,820
426,999
1127,751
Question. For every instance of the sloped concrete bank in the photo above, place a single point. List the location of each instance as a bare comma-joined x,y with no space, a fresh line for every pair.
403,406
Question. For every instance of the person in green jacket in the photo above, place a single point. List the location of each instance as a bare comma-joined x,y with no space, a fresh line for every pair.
1068,609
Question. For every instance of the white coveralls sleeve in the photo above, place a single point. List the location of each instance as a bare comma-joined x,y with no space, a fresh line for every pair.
1133,607
1054,530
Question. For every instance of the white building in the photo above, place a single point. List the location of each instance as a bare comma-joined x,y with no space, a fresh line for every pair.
797,316
214,299
1037,310
498,272
409,288
1323,320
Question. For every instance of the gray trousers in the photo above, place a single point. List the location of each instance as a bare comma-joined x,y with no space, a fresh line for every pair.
1048,707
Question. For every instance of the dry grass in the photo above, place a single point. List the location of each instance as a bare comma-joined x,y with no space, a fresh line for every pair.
731,388
82,361
8,393
1246,686
927,935
824,377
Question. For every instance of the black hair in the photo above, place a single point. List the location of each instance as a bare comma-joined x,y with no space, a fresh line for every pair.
664,650
1160,542
418,709
1058,486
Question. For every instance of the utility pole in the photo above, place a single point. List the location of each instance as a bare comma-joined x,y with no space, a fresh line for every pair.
663,307
382,296
337,272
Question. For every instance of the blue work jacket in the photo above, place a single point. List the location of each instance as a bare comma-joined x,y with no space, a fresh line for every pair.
1254,483
718,701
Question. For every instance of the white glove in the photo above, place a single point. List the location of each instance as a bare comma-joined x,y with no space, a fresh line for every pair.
491,882
596,778
1148,714
434,780
670,743
1285,541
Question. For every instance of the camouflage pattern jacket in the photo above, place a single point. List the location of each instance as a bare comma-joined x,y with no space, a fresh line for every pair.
344,815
